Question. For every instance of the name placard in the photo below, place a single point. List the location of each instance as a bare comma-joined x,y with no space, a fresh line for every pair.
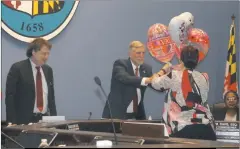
227,131
73,127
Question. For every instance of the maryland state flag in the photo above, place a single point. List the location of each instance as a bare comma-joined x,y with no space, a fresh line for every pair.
231,82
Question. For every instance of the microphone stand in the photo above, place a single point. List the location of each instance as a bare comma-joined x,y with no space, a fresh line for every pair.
11,139
114,131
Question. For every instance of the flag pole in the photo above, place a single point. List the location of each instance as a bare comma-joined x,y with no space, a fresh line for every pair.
233,19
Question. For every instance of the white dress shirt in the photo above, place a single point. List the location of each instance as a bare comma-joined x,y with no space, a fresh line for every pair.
45,89
130,106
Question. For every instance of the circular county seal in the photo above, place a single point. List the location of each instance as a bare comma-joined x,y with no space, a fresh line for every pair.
27,20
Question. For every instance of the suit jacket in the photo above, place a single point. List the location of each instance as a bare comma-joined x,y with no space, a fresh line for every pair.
123,88
20,92
219,113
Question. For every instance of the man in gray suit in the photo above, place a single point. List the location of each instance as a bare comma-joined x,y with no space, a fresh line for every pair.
130,77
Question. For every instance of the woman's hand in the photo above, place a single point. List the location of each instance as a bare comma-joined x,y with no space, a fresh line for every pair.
165,69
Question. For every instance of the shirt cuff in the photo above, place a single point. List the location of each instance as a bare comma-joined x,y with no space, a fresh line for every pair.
143,82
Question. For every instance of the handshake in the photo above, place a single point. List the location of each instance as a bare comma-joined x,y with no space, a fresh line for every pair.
164,70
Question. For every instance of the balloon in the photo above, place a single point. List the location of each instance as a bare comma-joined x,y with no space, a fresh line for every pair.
178,30
159,43
199,39
188,18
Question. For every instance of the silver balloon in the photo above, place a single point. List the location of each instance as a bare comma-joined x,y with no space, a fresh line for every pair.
189,18
178,30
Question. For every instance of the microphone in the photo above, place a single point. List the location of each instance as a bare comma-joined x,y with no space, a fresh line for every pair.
90,114
98,82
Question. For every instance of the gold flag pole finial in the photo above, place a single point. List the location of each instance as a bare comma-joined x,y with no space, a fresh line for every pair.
233,17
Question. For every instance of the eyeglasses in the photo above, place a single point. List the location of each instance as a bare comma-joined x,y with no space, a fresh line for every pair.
231,98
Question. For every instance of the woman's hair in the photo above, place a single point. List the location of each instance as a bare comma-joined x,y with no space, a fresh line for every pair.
189,57
235,93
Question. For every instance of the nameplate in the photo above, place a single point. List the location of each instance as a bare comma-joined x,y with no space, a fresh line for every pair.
154,130
227,131
73,127
53,118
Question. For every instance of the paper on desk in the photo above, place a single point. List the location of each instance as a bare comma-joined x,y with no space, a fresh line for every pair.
53,118
104,144
165,129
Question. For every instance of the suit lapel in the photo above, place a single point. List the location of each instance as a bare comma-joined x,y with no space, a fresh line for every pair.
45,71
130,68
29,75
142,71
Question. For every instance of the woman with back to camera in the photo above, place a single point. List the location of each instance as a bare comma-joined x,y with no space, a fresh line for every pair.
186,111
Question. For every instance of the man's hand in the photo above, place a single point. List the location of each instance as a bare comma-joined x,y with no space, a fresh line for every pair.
148,80
155,75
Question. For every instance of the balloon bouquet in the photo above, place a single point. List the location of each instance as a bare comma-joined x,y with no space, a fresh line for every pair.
164,42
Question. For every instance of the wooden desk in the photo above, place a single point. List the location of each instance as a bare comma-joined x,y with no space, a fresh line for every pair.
87,138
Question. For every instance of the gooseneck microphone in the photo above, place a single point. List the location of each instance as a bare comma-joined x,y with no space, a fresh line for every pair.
98,82
90,114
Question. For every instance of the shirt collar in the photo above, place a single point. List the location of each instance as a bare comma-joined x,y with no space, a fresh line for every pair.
33,64
134,66
190,71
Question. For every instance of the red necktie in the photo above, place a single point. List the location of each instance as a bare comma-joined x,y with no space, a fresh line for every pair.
135,99
39,90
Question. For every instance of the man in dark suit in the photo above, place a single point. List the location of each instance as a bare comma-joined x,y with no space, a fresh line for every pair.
29,86
130,78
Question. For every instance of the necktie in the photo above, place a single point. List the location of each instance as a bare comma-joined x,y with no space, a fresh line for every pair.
39,90
135,99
